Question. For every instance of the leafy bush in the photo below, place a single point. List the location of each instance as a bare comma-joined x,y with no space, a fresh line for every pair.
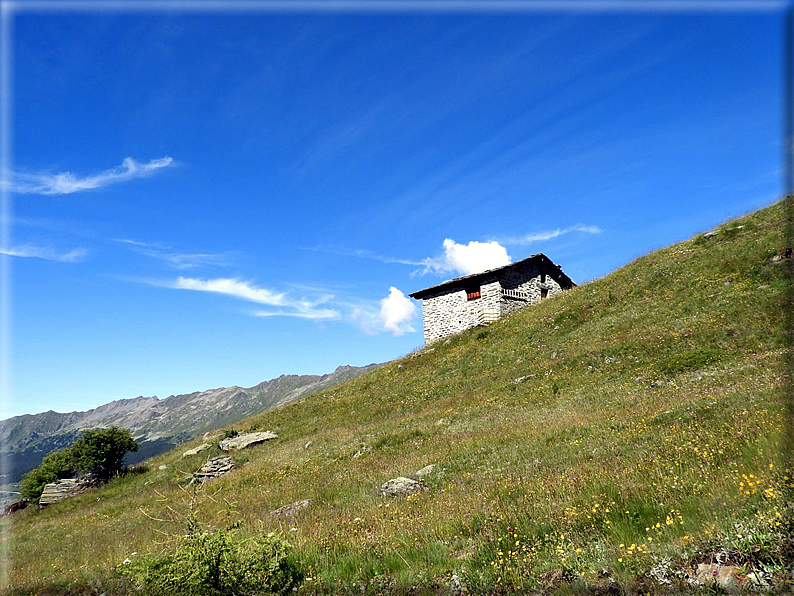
100,453
218,564
231,433
55,466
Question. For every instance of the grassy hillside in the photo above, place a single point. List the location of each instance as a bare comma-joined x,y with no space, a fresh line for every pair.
611,438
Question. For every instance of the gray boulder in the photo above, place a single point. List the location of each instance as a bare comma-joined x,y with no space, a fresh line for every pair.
247,439
401,487
426,471
58,491
291,509
214,468
727,577
197,450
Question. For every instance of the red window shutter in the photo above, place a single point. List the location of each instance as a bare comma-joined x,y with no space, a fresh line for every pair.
473,295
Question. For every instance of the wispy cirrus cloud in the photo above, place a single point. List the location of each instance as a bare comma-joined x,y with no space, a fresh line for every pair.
363,254
549,234
47,253
189,260
64,183
393,314
132,242
175,259
245,290
305,309
231,287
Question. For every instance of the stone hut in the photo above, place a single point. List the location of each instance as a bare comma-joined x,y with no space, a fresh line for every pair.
480,298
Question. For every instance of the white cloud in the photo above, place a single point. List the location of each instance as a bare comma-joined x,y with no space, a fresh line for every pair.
363,254
393,314
231,287
396,312
549,234
305,309
322,314
46,253
188,260
176,260
365,319
65,183
301,308
466,259
139,243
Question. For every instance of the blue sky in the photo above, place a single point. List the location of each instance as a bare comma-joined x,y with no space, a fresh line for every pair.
207,199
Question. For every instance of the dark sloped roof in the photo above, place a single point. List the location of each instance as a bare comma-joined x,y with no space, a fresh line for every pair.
540,258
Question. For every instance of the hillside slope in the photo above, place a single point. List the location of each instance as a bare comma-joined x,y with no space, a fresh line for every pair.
157,424
607,440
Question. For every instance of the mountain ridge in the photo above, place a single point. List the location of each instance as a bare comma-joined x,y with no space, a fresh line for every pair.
157,424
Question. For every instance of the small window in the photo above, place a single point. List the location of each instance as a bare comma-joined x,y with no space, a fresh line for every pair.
473,293
543,278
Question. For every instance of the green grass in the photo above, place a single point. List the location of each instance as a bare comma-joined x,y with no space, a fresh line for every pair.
610,438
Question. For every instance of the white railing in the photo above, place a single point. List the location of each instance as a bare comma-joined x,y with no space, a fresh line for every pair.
487,315
518,295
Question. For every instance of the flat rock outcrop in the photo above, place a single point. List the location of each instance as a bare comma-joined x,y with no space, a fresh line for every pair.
426,471
58,491
246,440
727,577
401,487
291,509
214,468
197,450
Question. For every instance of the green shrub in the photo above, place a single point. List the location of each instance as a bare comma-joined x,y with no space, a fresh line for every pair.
55,466
218,564
100,452
97,453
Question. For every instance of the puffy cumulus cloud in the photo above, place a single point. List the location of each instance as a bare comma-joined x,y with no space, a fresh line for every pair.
475,256
397,311
466,259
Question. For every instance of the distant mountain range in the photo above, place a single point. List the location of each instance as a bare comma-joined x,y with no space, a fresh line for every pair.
157,424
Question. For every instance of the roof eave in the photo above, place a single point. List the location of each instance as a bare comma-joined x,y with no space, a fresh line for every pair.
475,276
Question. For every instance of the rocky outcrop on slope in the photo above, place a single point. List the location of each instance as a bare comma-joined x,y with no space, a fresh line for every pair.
401,487
292,509
63,489
246,440
197,450
214,468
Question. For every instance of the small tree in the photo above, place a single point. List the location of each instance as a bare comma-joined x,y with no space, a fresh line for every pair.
100,453
56,465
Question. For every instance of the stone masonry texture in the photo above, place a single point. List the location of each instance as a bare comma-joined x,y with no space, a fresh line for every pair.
502,292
